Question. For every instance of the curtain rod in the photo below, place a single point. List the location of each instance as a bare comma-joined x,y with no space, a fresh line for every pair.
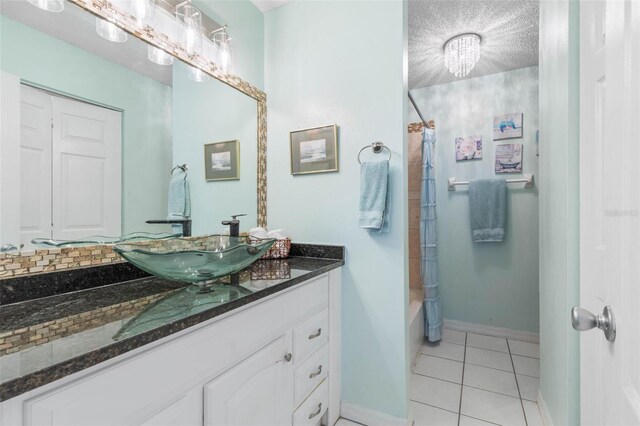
413,102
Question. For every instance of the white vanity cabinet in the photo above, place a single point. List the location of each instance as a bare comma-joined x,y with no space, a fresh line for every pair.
275,361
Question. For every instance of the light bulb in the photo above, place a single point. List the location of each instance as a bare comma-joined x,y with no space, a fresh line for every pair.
48,5
110,31
144,11
221,39
159,56
191,20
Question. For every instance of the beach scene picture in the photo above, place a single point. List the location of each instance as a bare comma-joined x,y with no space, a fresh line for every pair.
509,158
220,161
468,148
507,126
313,151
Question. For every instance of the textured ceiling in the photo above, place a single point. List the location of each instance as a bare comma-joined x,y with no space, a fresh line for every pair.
509,31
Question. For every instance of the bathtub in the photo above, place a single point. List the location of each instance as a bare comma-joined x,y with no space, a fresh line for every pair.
416,322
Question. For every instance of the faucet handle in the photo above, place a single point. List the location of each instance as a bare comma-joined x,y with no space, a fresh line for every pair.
238,215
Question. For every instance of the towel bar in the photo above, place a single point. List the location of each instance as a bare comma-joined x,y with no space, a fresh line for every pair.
527,180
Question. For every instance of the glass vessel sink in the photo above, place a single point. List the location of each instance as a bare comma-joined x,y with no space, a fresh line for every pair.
194,260
102,239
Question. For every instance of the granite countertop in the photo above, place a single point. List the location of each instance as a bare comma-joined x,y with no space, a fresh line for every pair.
53,325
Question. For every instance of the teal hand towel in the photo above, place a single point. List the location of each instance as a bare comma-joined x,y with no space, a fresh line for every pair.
373,194
179,199
488,209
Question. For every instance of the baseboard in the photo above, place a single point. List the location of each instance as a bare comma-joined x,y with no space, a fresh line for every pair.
525,336
369,417
544,411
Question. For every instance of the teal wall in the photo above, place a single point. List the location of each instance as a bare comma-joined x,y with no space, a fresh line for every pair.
490,284
146,145
559,209
209,112
345,63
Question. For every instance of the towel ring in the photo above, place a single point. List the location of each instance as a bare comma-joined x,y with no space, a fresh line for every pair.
377,148
183,167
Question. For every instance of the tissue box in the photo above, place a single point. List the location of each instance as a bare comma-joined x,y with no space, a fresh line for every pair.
279,249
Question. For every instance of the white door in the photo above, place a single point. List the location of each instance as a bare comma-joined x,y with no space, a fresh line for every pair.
35,164
610,209
86,170
258,391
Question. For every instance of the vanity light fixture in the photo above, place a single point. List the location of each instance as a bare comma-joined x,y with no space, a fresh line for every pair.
221,39
158,56
461,53
144,11
191,19
197,75
110,31
48,5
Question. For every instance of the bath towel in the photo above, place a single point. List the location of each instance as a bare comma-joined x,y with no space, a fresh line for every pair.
488,209
179,199
374,177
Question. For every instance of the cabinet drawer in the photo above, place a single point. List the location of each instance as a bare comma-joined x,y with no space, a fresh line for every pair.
313,408
310,336
310,373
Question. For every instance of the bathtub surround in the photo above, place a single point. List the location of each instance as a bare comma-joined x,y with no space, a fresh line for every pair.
490,284
368,97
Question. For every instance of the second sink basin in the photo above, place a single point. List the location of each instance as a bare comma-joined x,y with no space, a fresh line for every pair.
194,259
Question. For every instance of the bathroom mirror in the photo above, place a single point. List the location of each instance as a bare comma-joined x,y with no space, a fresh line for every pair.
92,129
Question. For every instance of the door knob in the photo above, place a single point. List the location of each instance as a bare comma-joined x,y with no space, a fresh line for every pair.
582,320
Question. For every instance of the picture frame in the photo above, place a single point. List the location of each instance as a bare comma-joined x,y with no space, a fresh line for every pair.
508,126
314,150
222,161
508,158
468,148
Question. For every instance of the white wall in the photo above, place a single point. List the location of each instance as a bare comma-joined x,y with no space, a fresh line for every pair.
344,63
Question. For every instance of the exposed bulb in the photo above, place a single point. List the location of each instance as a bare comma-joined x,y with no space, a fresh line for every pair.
191,20
144,11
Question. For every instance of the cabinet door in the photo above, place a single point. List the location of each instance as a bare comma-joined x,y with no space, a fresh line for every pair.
257,391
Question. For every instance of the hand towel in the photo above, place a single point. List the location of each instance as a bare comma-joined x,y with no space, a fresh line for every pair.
488,209
179,205
374,177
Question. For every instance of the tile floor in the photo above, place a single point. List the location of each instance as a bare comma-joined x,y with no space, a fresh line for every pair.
472,379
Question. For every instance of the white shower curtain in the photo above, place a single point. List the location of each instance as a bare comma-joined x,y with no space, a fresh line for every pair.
428,240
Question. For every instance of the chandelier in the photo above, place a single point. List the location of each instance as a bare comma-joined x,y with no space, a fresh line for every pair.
461,53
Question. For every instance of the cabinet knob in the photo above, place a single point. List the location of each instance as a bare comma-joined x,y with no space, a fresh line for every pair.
288,357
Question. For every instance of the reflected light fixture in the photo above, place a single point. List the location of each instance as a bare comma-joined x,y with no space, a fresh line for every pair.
144,11
221,39
461,53
48,5
191,20
197,75
110,31
158,56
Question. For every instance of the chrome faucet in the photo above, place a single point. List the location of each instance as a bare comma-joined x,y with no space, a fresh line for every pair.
234,225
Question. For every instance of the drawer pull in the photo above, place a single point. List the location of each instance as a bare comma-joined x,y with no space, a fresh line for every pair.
312,415
288,357
317,334
317,373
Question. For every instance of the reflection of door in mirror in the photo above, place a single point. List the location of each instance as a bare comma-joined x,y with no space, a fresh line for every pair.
70,184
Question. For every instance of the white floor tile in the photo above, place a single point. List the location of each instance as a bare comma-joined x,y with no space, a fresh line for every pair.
439,368
533,413
453,336
444,350
526,366
345,422
528,387
492,407
487,358
425,415
487,342
491,379
435,392
524,348
470,421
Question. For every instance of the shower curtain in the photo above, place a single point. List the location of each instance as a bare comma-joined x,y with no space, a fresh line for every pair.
428,240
